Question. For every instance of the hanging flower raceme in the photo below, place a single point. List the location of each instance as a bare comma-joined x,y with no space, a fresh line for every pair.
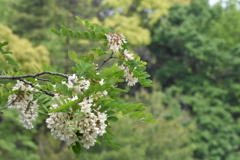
129,76
115,41
24,103
91,123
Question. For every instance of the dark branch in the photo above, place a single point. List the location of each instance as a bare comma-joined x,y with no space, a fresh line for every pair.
10,103
32,85
35,75
111,56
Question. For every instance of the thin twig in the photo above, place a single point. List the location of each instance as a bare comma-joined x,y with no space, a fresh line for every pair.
32,85
111,56
29,83
35,75
10,103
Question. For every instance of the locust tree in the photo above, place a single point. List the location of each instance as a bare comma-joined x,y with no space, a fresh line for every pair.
80,104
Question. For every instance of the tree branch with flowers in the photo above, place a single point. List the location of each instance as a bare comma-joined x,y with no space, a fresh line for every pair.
80,105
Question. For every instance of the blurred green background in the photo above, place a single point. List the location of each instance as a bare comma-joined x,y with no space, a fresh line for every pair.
193,54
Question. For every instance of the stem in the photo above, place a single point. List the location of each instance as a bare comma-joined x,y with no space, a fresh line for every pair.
10,103
35,75
111,56
32,85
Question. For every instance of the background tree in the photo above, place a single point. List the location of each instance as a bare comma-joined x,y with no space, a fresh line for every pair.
203,75
26,54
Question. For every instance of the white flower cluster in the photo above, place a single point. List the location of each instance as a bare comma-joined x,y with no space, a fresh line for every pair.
24,103
130,78
115,41
91,124
79,86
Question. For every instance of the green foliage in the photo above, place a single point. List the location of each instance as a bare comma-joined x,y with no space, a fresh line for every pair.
228,21
141,14
16,142
26,56
7,57
194,66
90,31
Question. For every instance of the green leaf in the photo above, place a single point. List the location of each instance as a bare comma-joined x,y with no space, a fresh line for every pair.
98,87
101,36
98,29
92,27
76,108
79,34
83,67
116,146
147,85
86,34
65,106
64,88
72,55
70,33
45,107
152,121
46,67
42,112
140,115
140,68
87,23
78,145
148,117
113,119
105,86
104,109
92,34
144,75
133,114
119,90
76,128
110,113
11,61
3,44
76,150
142,80
64,30
55,31
79,20
98,142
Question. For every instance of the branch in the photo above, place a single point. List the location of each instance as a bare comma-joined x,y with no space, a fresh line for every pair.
111,56
10,103
32,85
35,75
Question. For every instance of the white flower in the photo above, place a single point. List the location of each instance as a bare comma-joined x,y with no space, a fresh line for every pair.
91,126
23,102
115,41
86,105
127,55
79,86
129,76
